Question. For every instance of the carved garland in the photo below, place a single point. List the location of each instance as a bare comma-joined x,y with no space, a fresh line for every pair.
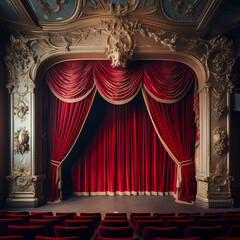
21,138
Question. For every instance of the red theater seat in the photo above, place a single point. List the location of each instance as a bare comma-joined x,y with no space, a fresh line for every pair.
188,213
182,224
3,212
218,214
133,214
99,216
231,222
194,238
211,222
56,238
13,237
226,238
234,231
26,217
80,223
103,238
18,212
94,218
150,233
141,224
198,217
115,232
136,218
28,232
228,216
115,218
166,218
114,223
82,232
48,223
116,214
4,223
61,218
159,215
40,214
70,215
206,233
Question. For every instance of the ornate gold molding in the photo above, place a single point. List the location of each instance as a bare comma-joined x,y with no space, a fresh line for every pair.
47,10
219,109
21,138
190,10
103,7
219,139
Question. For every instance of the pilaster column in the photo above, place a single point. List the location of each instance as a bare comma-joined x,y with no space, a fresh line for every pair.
26,180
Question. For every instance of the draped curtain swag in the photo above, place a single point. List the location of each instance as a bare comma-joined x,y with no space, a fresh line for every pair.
161,82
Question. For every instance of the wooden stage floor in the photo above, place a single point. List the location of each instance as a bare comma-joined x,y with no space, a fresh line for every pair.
126,204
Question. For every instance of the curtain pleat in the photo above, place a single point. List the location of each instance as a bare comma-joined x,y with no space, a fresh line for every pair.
65,124
174,124
130,158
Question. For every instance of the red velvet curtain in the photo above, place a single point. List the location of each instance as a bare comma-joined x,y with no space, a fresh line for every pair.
65,123
175,126
124,156
163,81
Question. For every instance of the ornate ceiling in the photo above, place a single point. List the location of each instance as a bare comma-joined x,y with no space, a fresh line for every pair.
200,17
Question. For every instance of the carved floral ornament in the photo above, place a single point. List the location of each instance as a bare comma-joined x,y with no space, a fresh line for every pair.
21,139
219,139
120,46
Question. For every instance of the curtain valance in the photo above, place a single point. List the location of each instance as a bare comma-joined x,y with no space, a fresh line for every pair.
165,81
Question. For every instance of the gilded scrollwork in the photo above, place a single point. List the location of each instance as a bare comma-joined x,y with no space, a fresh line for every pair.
47,10
102,7
219,139
189,11
220,179
19,59
21,141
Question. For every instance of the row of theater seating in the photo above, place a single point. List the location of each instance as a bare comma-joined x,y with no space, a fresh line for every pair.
69,225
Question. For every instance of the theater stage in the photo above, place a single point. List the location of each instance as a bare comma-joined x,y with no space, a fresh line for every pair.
126,204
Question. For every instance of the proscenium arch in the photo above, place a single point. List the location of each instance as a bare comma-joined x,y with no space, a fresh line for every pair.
189,60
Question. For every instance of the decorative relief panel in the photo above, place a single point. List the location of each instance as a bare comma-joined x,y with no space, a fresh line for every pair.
219,139
21,141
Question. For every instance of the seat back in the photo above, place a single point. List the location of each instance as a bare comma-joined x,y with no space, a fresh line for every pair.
182,224
18,212
234,231
25,217
231,222
116,214
207,233
69,215
81,223
141,224
4,223
198,217
94,218
114,223
40,214
48,223
166,218
28,232
159,215
115,217
136,218
13,238
61,218
82,232
133,214
149,233
56,238
211,222
115,232
188,213
99,216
